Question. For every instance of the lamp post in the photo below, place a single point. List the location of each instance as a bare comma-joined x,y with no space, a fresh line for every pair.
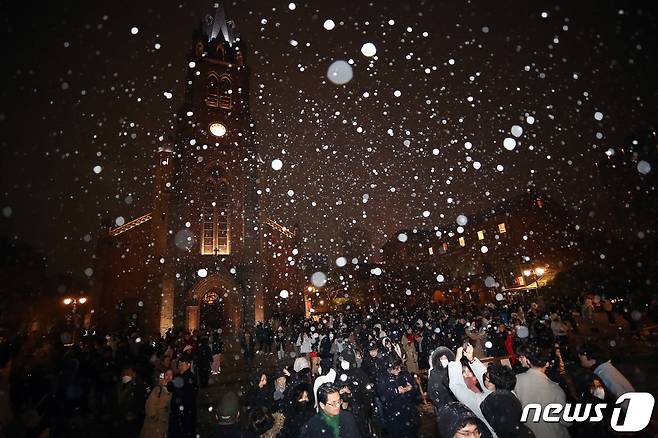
71,316
536,273
307,300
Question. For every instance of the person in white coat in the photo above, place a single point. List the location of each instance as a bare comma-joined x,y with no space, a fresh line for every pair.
457,372
534,386
305,343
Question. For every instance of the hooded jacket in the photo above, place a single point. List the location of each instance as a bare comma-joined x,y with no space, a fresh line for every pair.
297,414
437,378
463,393
454,416
258,396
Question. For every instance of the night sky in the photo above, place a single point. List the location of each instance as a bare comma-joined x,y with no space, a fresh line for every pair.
395,147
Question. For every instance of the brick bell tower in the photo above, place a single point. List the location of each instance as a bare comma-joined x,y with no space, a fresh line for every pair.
206,215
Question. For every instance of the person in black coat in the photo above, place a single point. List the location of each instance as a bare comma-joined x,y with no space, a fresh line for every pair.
298,411
503,410
261,392
324,349
399,393
247,343
455,417
131,400
330,418
437,379
182,420
204,359
373,363
361,397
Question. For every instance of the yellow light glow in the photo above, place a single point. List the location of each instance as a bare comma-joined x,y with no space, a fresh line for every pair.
217,129
540,271
67,301
82,300
527,272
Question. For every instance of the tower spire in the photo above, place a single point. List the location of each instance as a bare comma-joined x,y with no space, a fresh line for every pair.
215,25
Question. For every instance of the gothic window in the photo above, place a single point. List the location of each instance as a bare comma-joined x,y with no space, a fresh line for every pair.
212,90
210,297
215,219
225,92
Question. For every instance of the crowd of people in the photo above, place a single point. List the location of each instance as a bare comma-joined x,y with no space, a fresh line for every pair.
470,367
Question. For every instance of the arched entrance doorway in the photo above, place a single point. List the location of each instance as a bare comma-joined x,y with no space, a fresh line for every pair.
213,303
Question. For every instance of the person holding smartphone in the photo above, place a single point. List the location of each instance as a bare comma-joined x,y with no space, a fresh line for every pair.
158,403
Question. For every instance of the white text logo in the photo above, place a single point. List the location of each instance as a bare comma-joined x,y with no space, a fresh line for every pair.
638,407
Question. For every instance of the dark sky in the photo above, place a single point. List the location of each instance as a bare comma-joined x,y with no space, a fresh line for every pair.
80,90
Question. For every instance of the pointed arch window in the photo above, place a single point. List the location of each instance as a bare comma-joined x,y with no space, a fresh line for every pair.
225,92
212,90
215,219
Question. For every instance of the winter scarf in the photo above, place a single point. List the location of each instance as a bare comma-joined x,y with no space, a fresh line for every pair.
333,423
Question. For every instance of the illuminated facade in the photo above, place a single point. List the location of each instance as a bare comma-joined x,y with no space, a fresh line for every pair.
198,259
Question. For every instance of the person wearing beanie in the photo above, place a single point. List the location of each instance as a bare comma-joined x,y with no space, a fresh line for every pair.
280,388
227,414
502,410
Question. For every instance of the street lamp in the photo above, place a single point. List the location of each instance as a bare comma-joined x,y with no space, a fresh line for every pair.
536,273
72,318
74,301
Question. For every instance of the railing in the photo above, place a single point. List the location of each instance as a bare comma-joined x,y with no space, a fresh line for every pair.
280,228
130,225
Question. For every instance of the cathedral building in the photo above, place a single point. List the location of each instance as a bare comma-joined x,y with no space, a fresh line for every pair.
206,256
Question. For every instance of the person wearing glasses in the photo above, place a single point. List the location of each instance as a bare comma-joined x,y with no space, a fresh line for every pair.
457,421
330,421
